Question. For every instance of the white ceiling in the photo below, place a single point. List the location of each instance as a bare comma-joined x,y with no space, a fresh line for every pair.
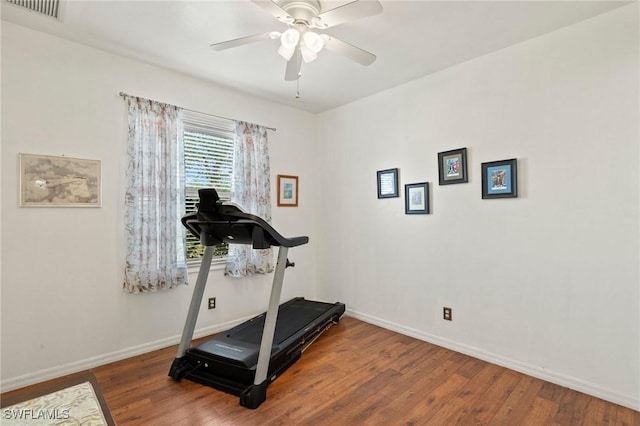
410,38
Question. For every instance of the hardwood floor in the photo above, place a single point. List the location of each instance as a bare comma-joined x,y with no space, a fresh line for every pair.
355,374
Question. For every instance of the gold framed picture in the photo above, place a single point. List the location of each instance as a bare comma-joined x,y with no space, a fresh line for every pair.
49,181
287,191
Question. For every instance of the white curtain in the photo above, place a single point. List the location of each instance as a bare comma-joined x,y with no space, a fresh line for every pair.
154,199
251,188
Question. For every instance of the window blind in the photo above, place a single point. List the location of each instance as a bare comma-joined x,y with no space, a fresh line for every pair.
208,163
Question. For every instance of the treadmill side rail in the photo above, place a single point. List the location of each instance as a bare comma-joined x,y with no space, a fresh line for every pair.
196,301
271,318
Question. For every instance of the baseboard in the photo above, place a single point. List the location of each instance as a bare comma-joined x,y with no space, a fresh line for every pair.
85,364
522,367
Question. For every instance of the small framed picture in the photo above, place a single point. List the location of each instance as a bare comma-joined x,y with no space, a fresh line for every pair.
388,183
452,166
500,179
416,198
287,191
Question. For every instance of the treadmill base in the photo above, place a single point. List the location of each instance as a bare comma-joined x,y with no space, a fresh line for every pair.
228,360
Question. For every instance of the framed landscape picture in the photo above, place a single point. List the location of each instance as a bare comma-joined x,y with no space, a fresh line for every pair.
452,166
500,179
48,181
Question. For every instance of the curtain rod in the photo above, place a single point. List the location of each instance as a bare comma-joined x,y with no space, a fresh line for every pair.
123,94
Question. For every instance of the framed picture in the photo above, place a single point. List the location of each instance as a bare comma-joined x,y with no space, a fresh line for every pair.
452,166
388,183
500,179
47,181
287,191
416,198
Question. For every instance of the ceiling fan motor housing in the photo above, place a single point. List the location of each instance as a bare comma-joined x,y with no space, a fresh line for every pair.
301,10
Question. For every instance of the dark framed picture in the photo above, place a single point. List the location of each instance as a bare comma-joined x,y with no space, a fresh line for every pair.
452,166
416,198
500,179
388,183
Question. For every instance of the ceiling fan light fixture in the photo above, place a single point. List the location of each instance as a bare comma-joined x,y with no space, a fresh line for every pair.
298,44
286,52
308,55
289,39
313,41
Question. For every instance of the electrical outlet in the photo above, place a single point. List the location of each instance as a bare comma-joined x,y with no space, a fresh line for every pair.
447,314
212,303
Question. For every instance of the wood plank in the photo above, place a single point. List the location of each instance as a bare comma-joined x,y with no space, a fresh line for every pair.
598,411
627,417
492,399
541,413
519,402
469,396
571,408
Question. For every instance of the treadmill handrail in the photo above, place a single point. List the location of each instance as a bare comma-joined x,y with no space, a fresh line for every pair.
248,218
237,223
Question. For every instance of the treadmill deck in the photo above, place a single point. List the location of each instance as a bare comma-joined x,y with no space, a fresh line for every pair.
228,360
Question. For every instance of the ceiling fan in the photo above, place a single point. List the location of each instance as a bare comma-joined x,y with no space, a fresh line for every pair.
299,43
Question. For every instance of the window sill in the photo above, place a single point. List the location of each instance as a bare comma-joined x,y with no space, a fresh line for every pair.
216,265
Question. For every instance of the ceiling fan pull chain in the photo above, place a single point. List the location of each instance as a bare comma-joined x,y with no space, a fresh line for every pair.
298,87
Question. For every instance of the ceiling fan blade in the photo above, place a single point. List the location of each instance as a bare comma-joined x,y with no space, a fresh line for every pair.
348,12
294,65
348,50
275,10
241,41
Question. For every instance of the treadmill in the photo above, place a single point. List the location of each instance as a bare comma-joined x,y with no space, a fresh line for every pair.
245,359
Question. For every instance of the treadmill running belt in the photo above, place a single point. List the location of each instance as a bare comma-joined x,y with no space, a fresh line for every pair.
299,321
291,318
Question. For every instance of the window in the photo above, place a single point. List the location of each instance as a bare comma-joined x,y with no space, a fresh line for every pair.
208,163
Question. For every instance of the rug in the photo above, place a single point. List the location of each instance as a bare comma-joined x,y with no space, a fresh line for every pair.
77,404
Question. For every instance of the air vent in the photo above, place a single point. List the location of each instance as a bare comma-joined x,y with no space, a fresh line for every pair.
44,7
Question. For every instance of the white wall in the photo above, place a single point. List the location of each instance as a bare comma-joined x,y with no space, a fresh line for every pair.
547,283
62,304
